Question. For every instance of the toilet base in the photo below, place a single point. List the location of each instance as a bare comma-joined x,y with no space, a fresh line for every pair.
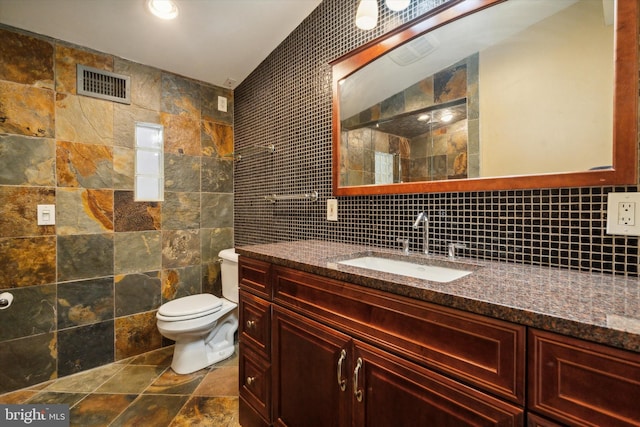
190,355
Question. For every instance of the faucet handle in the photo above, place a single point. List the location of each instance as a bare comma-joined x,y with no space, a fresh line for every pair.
405,245
453,246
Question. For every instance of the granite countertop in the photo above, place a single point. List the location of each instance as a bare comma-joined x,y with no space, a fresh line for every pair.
597,307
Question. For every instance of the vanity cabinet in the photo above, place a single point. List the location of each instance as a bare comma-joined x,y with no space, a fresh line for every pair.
315,351
345,355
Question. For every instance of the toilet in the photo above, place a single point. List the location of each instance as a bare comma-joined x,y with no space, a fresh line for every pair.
203,325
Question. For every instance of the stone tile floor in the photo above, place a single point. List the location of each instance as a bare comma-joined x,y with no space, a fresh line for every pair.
143,391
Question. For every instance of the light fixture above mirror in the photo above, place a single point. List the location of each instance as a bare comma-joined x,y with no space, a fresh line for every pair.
397,5
367,13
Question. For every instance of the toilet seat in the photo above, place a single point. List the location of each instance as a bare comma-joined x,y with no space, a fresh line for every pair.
189,307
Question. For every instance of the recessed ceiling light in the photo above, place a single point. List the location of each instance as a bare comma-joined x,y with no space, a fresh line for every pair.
163,9
447,116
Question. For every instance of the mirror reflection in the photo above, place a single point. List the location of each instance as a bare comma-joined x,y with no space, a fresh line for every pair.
523,87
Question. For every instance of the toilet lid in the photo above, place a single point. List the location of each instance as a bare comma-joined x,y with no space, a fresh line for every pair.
199,304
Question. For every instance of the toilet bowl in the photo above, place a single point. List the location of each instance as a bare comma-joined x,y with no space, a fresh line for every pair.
203,325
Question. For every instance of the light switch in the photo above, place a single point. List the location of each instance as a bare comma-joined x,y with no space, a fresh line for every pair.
332,209
46,214
222,104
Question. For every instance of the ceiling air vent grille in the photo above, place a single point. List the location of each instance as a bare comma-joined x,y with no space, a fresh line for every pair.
103,84
416,49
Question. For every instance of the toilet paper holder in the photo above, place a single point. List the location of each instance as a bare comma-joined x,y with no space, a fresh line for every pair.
5,300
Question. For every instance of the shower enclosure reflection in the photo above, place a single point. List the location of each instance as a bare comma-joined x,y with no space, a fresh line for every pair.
430,144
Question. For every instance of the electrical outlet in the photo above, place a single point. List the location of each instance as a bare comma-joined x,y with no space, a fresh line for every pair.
46,214
626,213
621,214
332,209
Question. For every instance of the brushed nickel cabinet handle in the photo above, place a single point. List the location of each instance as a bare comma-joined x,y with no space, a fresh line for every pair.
251,380
342,382
251,324
357,391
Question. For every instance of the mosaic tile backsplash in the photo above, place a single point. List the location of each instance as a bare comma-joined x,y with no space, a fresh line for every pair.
286,102
86,290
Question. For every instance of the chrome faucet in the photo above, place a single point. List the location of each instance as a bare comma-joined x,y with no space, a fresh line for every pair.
422,216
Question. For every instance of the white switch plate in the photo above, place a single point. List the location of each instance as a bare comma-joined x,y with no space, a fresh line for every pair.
46,214
622,214
332,209
222,104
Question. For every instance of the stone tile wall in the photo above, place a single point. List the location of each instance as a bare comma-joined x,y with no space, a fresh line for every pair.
87,289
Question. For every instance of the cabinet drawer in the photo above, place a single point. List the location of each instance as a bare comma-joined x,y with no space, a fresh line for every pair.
255,323
254,276
255,381
485,352
582,383
534,420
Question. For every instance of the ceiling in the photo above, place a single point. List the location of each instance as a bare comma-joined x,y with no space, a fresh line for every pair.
215,41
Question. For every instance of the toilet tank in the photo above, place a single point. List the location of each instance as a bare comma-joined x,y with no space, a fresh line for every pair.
229,274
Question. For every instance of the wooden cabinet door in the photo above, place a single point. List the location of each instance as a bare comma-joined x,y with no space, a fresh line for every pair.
583,384
390,391
305,360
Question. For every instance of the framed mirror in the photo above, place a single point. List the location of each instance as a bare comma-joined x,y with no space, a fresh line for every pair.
489,95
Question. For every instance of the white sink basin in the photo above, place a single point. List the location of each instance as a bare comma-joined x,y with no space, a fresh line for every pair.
434,273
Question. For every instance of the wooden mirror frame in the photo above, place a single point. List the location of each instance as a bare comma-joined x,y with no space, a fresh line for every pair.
625,111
